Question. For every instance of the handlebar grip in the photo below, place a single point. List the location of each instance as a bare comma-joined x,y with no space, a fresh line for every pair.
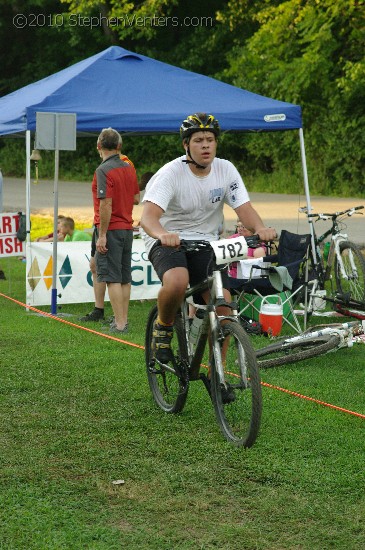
254,241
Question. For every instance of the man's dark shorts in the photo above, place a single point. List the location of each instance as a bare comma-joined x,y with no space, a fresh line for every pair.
115,265
199,264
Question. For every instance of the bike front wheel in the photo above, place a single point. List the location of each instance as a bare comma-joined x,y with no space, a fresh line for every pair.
351,283
168,384
286,351
239,416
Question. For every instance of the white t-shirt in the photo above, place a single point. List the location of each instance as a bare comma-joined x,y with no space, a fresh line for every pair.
193,205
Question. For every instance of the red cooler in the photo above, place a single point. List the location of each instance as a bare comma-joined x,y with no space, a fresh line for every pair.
271,315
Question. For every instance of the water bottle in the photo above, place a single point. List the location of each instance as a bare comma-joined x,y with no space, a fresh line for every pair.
196,326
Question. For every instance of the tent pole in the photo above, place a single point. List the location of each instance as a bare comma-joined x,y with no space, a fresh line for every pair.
27,183
55,228
310,220
306,187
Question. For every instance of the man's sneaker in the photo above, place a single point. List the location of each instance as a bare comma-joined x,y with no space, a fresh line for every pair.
110,322
114,330
95,315
2,275
161,342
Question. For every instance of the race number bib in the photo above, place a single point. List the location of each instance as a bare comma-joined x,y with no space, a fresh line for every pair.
229,250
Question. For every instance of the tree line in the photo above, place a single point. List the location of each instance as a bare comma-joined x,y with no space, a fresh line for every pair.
300,51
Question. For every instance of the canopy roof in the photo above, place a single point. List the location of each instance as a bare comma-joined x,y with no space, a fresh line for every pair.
134,93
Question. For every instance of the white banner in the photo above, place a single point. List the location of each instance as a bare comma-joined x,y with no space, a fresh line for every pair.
9,244
74,280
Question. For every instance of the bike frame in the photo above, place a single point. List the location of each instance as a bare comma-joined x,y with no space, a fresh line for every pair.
337,237
211,321
345,332
238,413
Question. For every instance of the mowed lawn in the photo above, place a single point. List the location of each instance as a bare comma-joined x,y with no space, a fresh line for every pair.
77,414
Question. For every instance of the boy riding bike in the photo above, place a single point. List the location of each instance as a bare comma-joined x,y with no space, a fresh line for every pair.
184,200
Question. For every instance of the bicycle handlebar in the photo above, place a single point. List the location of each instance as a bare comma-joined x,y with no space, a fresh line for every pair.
194,246
333,215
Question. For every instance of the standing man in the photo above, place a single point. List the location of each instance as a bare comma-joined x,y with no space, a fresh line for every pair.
97,314
115,191
184,200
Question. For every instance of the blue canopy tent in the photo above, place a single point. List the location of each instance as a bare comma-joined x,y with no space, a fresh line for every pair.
136,94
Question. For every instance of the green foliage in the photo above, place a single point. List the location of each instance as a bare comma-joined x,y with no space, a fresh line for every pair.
148,153
310,53
40,42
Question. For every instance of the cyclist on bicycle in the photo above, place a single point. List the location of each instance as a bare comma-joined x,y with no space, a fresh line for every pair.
184,200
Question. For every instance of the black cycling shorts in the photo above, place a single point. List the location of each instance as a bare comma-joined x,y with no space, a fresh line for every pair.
200,264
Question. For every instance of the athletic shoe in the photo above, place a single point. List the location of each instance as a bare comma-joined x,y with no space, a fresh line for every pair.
2,275
95,315
161,342
109,323
114,330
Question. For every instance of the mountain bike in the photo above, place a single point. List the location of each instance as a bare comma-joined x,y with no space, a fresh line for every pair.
237,376
342,263
311,343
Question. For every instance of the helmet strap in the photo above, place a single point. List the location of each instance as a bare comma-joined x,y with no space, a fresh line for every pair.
192,161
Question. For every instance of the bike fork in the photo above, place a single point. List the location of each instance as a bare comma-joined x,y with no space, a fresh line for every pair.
216,348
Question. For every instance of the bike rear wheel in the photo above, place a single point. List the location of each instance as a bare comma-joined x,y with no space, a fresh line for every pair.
239,420
352,287
288,351
169,385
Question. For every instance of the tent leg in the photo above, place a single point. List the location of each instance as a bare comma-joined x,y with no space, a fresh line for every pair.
27,183
306,187
310,220
55,228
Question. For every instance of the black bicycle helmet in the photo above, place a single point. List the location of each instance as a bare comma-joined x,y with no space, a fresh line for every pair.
197,123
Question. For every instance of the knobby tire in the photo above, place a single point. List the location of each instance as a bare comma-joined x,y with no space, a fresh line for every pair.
169,390
287,351
239,421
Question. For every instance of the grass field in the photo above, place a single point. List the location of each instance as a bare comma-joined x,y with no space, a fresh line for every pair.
76,414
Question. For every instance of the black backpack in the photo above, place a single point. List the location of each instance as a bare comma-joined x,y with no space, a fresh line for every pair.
22,229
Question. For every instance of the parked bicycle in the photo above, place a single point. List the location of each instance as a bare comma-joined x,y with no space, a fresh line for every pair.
311,343
342,263
236,375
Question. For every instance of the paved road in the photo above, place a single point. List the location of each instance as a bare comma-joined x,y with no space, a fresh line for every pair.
279,211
